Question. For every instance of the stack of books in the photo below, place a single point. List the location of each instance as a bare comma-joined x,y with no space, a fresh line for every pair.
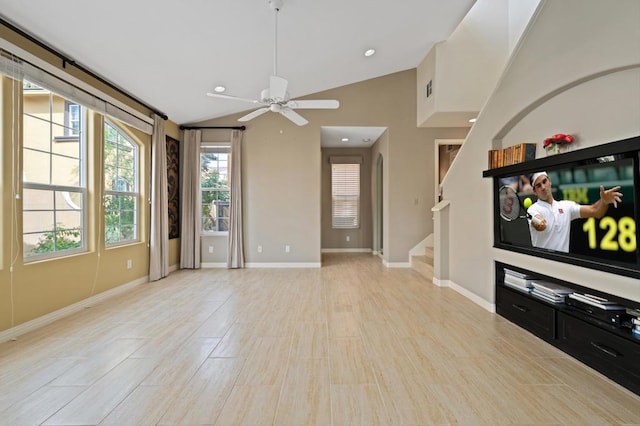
512,155
517,280
550,292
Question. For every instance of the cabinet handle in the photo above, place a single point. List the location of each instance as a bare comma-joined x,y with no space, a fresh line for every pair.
605,349
520,307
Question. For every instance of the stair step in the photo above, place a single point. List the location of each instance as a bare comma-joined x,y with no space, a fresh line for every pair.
423,265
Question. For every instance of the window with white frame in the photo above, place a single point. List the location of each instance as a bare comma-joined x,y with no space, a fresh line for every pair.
121,195
214,186
54,177
345,196
72,119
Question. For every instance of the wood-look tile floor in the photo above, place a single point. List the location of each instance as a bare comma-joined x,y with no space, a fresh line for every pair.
351,343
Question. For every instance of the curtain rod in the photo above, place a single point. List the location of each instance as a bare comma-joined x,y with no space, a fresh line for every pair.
68,61
213,127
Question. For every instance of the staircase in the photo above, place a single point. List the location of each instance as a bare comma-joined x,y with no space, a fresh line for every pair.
423,264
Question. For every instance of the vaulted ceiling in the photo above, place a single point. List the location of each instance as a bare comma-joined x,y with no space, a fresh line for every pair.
169,53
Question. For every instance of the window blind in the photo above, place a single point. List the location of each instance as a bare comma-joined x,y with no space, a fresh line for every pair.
76,91
345,196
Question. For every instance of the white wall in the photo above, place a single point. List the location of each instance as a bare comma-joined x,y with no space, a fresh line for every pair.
470,62
567,75
520,12
466,67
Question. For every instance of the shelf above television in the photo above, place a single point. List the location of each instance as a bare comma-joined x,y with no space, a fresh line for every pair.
612,148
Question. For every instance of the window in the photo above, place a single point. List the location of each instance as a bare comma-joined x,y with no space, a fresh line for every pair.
121,186
54,177
72,119
214,184
345,196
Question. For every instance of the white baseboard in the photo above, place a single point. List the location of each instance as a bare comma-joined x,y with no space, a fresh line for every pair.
397,264
282,265
213,265
39,322
491,307
440,283
346,250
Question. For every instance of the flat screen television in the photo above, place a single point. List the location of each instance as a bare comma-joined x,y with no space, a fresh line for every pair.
609,243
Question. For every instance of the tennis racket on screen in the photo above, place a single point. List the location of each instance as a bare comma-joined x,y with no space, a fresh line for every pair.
511,207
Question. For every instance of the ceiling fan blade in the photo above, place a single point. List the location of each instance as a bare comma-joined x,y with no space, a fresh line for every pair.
235,98
294,116
314,104
254,114
278,87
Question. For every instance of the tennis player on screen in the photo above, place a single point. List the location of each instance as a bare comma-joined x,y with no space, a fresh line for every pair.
553,224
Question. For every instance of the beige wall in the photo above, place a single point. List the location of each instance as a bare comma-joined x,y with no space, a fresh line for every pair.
282,167
591,91
361,238
29,291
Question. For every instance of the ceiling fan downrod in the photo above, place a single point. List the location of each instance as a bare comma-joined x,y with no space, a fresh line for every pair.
275,5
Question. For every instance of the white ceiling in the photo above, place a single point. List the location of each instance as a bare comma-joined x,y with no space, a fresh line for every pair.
358,137
169,53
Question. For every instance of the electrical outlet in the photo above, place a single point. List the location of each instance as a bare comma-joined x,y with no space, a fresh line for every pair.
210,249
287,248
348,238
129,263
259,249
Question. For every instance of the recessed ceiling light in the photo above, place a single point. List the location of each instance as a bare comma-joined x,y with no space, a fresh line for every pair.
472,120
345,139
369,52
219,89
366,140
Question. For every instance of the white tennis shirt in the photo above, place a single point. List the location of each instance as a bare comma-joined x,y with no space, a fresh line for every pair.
558,215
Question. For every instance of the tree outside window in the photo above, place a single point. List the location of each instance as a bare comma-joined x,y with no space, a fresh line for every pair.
215,191
121,186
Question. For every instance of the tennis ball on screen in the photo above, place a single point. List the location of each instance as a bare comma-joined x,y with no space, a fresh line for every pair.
527,202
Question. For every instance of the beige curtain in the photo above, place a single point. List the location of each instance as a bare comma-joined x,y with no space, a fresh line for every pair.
159,227
191,200
235,255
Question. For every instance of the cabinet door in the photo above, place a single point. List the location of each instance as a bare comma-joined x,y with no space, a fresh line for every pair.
614,356
528,313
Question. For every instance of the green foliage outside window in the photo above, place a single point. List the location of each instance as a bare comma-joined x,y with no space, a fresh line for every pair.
215,192
58,240
120,200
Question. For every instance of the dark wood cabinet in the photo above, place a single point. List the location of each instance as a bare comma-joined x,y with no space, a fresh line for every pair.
612,355
537,317
611,349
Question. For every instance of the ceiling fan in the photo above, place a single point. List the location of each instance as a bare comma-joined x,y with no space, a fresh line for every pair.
276,98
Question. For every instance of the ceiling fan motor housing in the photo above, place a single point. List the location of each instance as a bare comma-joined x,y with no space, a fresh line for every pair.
266,98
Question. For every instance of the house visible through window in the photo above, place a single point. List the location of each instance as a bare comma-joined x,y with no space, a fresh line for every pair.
121,186
345,196
72,119
54,177
214,185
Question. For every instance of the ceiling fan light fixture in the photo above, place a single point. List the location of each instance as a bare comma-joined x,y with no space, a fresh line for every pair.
369,52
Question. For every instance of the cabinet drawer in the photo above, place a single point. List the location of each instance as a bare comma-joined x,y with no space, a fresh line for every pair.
527,312
612,355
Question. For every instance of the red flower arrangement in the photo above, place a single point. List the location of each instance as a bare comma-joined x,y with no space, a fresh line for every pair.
558,139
